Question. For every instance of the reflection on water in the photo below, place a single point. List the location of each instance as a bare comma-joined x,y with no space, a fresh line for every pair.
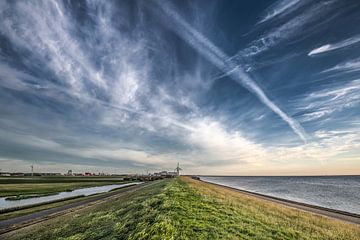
82,191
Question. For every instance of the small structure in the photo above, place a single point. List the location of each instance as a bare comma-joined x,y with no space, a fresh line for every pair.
163,173
49,174
195,177
172,174
18,174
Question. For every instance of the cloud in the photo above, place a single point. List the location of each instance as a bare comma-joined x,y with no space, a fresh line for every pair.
214,150
324,102
335,46
12,78
100,77
103,86
221,60
238,155
298,25
348,66
98,65
53,42
280,7
216,144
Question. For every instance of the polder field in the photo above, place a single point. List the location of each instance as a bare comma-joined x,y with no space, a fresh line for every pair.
183,208
16,188
22,186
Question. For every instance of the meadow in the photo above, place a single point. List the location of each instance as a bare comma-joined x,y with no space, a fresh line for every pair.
183,208
15,188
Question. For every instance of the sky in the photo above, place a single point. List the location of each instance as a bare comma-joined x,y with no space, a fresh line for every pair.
222,87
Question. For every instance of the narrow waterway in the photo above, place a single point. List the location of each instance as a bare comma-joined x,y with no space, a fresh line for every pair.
78,192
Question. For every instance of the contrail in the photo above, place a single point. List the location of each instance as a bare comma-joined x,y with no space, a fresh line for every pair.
217,57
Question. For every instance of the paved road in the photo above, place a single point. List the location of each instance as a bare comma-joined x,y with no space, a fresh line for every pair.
340,215
22,221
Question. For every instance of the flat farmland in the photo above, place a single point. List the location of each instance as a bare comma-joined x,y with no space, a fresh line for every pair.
22,186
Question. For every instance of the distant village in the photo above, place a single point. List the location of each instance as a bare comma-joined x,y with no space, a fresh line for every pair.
148,176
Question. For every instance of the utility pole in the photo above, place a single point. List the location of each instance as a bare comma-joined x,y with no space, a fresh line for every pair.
32,170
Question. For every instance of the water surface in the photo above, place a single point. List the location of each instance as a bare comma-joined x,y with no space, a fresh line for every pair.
78,192
335,192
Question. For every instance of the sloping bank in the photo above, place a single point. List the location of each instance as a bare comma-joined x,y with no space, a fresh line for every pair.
189,209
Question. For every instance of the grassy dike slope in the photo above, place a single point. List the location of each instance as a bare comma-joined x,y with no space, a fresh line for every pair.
188,209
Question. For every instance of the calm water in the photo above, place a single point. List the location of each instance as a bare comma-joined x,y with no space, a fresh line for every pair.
82,191
336,192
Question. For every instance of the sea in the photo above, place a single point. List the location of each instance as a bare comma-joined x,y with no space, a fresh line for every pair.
335,192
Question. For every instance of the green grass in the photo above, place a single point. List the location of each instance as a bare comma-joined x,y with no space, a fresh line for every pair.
188,209
22,187
58,179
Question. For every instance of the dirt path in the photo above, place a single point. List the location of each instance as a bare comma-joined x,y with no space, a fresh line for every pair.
33,218
340,215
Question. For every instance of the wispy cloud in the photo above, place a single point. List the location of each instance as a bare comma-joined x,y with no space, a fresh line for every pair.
98,66
280,7
296,26
103,85
54,44
348,66
323,103
335,46
216,56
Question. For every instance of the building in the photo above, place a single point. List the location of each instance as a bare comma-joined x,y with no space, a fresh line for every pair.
17,174
172,174
5,174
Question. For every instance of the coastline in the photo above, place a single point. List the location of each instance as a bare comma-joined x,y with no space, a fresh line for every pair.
327,212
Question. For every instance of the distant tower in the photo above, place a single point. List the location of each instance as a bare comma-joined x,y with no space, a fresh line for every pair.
32,170
177,169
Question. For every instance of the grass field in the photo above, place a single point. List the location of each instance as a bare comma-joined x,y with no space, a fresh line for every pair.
189,209
23,186
58,179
